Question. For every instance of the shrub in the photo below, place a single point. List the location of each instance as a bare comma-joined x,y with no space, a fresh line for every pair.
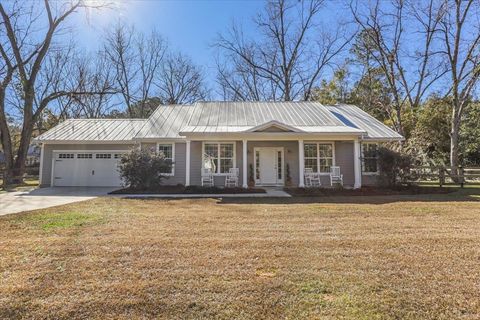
143,170
394,167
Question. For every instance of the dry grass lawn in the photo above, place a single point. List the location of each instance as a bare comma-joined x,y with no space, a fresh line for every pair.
366,258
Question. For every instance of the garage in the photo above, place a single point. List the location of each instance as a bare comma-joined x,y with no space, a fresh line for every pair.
92,168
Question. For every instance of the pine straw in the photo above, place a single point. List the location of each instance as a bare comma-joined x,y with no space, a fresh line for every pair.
200,259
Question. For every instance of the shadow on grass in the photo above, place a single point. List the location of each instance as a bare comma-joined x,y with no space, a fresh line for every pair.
461,195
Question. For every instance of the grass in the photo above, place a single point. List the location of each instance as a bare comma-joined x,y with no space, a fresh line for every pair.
383,257
27,184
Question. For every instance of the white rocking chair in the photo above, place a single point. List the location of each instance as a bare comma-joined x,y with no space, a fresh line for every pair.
207,177
335,176
231,179
312,179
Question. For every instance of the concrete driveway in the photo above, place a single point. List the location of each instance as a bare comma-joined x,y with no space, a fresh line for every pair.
13,202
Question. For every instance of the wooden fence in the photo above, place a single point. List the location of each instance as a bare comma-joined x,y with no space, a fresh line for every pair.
446,175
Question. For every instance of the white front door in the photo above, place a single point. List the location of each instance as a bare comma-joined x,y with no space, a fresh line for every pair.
269,166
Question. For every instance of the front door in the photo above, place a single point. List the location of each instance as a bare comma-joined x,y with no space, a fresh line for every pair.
269,166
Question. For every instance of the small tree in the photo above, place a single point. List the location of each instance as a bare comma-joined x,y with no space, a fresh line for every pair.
143,170
394,167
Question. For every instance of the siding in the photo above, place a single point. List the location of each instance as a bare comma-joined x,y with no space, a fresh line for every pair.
49,148
344,159
179,161
290,155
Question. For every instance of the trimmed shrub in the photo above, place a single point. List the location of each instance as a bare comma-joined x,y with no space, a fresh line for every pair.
394,167
143,170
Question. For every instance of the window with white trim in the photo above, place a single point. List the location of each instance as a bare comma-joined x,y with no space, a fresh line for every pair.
370,157
66,156
318,156
219,157
166,150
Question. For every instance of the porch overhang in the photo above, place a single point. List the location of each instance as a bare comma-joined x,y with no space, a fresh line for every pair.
276,136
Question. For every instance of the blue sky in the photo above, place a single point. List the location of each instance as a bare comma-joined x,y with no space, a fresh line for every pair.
189,26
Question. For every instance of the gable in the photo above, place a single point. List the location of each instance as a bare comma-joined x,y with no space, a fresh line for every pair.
274,128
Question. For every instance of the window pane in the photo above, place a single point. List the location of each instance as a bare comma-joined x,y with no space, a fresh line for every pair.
166,150
326,150
311,164
310,150
226,150
370,150
225,165
279,165
370,165
211,150
325,165
257,165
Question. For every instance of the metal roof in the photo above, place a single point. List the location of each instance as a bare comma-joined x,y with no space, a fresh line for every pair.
173,121
311,117
93,130
166,122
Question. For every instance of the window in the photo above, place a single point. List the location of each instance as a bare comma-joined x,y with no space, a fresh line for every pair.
84,156
219,157
103,156
118,155
65,156
166,150
318,156
370,157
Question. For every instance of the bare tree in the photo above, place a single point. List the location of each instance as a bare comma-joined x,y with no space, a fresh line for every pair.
288,60
26,51
397,37
460,34
136,60
180,81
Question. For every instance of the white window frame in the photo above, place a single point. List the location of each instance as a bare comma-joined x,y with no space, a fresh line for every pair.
318,143
373,173
218,143
173,155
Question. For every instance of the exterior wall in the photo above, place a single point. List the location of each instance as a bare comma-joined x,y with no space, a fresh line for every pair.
179,165
369,179
48,155
344,159
290,151
196,163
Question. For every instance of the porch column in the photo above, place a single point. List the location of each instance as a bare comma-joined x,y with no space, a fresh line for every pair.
301,164
187,160
40,173
244,164
357,164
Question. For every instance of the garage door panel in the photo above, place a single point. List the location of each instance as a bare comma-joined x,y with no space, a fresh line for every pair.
86,168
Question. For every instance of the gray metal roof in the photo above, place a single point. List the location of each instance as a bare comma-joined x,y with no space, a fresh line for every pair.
311,117
166,122
170,122
93,130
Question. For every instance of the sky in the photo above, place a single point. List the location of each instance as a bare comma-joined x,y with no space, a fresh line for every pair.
189,26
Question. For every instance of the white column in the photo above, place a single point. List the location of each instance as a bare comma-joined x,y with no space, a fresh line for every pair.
40,174
357,164
301,164
187,160
244,164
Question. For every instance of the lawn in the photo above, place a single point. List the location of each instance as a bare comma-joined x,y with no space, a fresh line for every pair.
385,257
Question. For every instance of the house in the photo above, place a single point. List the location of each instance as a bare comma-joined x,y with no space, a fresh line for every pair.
271,142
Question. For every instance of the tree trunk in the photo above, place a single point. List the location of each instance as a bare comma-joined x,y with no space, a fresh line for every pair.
6,142
454,148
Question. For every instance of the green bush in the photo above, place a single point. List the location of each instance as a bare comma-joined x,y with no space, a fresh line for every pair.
143,170
394,167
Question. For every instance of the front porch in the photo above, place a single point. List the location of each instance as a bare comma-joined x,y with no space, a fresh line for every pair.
274,162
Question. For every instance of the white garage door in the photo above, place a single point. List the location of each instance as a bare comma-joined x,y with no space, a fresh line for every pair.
86,168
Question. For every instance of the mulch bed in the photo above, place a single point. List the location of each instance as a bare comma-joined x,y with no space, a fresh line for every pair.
366,191
189,190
